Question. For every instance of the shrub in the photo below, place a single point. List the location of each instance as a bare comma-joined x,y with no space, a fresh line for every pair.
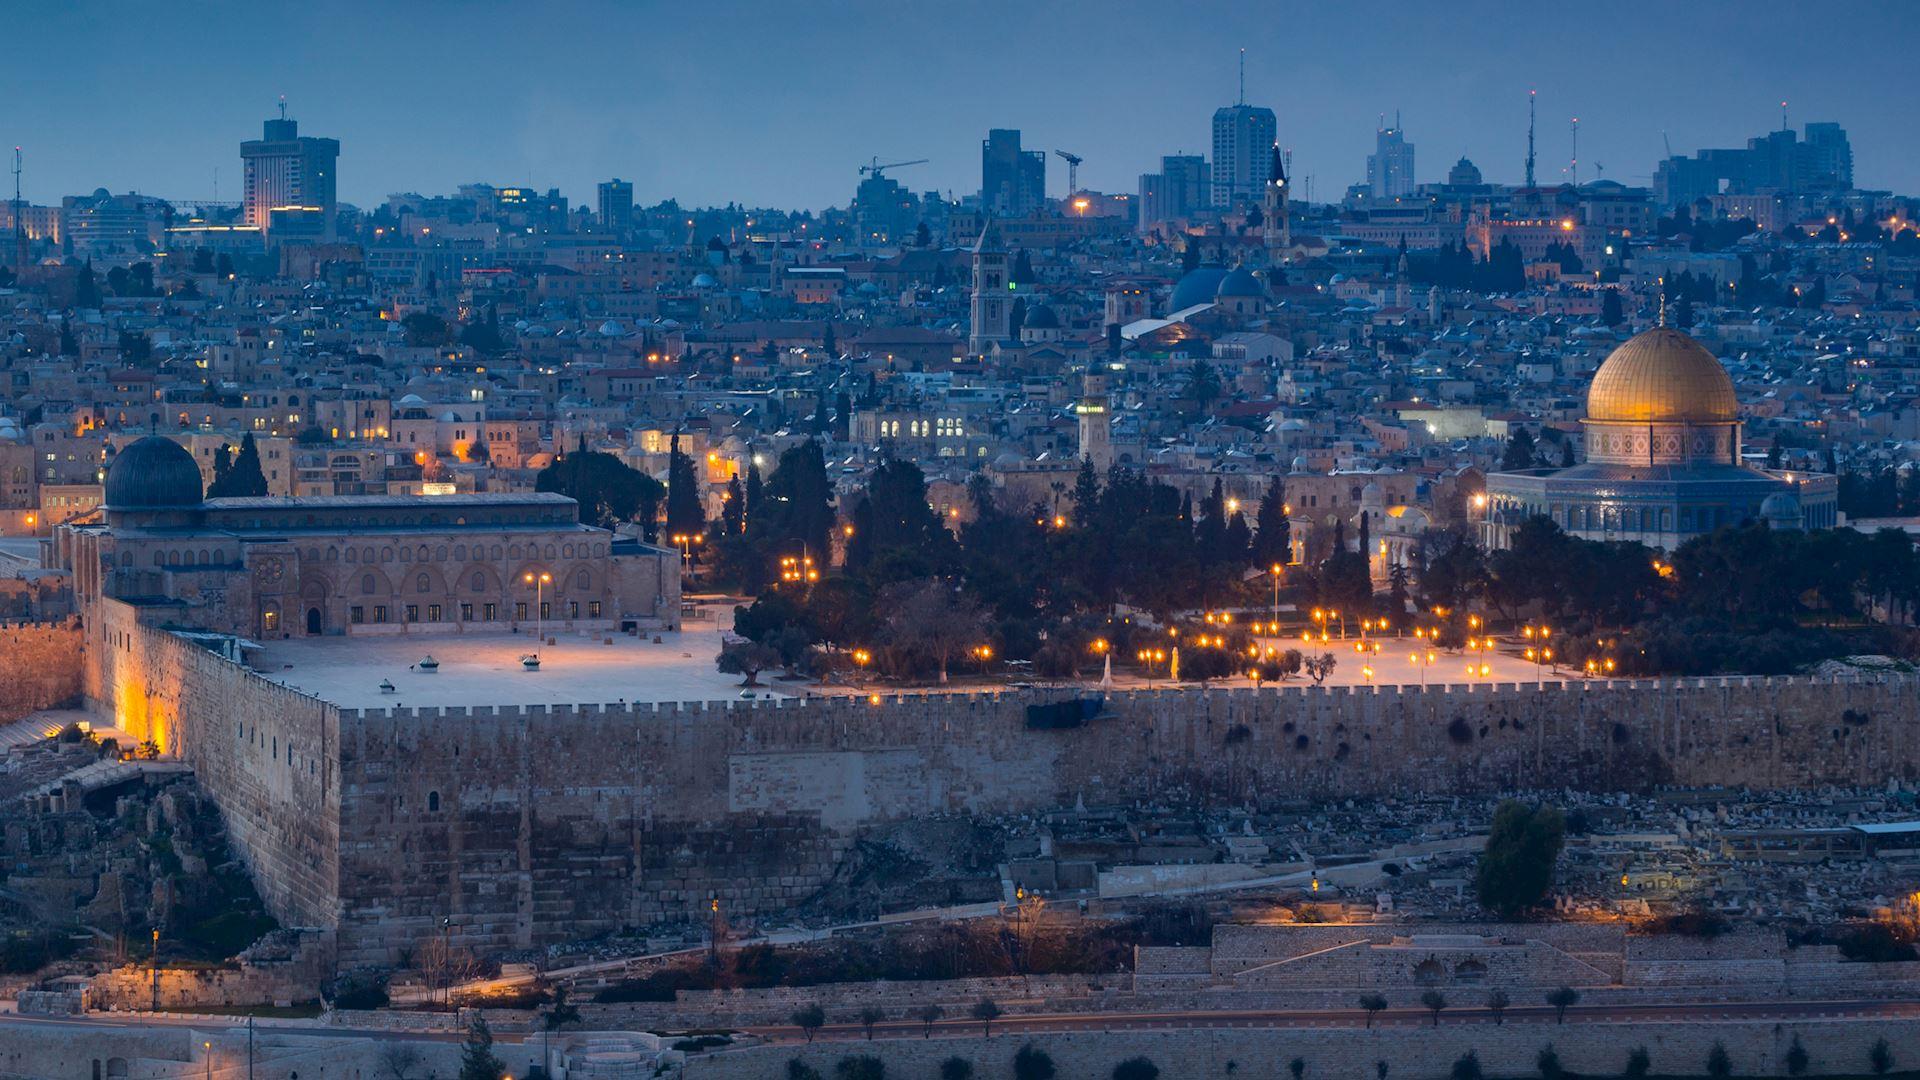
1136,1068
1467,1067
1032,1063
1880,1057
861,1067
956,1068
1639,1064
1719,1064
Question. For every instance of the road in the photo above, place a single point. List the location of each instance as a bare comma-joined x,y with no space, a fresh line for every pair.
1353,1018
204,1022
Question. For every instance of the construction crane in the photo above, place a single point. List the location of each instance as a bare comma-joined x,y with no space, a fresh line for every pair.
874,168
1073,171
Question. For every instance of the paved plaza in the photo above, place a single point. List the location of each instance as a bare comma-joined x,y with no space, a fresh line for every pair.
485,669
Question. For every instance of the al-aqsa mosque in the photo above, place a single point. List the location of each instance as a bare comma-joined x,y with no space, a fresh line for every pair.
1662,459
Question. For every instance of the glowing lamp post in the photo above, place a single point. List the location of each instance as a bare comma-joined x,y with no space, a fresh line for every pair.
539,582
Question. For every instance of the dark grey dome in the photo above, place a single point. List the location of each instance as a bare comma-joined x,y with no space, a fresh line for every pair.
150,474
1240,282
1196,288
1041,317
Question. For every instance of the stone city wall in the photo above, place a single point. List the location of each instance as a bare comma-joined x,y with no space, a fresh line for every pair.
514,827
40,667
1411,1052
268,755
525,826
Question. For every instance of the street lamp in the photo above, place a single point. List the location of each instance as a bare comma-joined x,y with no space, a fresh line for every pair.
539,582
1274,572
1423,661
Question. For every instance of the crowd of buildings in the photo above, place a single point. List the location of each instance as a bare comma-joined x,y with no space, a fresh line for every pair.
1378,354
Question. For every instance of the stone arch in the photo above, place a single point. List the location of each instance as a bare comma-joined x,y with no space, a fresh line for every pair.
371,582
1429,972
1470,970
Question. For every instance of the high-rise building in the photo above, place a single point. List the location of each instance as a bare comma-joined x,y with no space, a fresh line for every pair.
884,211
616,205
290,183
1182,188
1243,138
1390,166
1013,182
1777,162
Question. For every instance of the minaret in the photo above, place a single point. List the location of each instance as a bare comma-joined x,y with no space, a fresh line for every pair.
992,307
1096,422
1279,225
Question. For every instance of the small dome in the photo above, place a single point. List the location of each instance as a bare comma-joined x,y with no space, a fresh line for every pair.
1373,494
1662,376
1781,511
1041,317
1240,282
151,474
704,281
1198,287
611,329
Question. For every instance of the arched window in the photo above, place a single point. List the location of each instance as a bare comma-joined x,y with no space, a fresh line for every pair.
479,582
366,585
423,583
583,580
433,802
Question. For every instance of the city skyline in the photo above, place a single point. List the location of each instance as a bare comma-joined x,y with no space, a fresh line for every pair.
486,104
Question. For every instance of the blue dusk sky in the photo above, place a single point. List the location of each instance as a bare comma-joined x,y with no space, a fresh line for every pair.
776,104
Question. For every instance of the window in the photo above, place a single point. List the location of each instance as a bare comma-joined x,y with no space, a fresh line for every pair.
413,613
380,613
546,609
433,612
357,614
519,610
423,583
433,802
593,609
491,612
366,585
466,612
573,609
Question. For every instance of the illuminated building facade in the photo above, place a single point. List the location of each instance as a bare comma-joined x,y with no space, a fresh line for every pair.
286,567
290,182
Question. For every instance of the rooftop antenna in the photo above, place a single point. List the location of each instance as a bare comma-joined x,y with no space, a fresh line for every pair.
1243,78
19,215
1783,117
1575,163
283,106
1663,301
1531,95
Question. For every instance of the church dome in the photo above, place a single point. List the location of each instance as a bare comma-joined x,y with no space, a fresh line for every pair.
1198,287
150,474
1240,282
1041,317
1662,376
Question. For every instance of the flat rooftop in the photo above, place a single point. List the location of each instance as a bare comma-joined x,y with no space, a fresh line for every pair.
485,669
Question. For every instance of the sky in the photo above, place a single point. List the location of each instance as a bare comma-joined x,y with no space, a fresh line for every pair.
777,104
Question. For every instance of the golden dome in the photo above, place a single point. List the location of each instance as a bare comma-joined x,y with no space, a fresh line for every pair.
1662,376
